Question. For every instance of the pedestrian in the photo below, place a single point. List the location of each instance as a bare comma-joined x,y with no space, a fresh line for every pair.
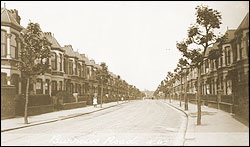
95,100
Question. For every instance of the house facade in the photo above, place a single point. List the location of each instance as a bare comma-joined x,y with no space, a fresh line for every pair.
229,74
69,70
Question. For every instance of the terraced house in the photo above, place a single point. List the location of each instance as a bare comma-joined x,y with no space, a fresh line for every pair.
227,76
69,71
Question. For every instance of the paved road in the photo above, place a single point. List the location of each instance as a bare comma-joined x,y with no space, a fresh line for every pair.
142,122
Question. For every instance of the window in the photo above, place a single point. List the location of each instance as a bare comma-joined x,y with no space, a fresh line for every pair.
54,88
212,64
66,65
3,43
229,57
87,71
229,87
15,81
13,47
76,72
47,86
3,79
241,49
216,63
60,85
247,42
206,66
60,62
71,88
54,61
235,54
221,83
225,52
83,70
221,61
70,67
79,89
79,68
39,86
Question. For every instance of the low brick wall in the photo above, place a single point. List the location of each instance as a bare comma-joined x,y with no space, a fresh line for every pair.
35,110
66,106
226,98
212,104
228,107
8,94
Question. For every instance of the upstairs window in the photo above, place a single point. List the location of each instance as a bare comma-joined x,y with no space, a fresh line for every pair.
3,43
241,48
66,65
76,71
54,61
13,47
229,57
60,62
70,67
221,61
225,53
247,42
79,69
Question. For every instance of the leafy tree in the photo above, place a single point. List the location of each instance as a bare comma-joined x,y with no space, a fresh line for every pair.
181,71
202,35
170,79
102,75
34,56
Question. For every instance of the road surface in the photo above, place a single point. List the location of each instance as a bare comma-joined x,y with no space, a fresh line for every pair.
140,122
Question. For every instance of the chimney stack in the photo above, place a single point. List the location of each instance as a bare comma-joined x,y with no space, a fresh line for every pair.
15,15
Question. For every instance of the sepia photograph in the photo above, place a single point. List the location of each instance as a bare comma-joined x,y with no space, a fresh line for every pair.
124,73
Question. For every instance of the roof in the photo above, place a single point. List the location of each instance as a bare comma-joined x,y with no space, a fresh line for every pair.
244,24
87,62
77,54
94,64
215,46
52,40
98,66
230,35
69,50
8,19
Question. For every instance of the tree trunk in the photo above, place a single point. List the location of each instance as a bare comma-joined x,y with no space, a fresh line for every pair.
198,96
26,102
170,96
118,96
101,94
185,94
181,92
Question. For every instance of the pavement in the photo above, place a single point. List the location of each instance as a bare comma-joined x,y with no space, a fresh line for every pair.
218,128
18,122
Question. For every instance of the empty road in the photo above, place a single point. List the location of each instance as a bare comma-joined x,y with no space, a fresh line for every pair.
140,122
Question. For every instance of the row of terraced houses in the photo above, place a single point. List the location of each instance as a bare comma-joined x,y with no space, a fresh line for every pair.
227,76
70,70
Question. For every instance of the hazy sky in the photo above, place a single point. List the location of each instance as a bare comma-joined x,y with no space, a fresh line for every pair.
136,39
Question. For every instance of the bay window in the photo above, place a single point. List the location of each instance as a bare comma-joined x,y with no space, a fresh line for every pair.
3,43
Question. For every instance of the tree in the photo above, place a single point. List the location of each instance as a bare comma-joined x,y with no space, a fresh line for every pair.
182,70
202,35
102,75
170,78
34,56
179,72
118,89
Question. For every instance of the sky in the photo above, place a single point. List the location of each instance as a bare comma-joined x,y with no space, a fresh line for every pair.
136,39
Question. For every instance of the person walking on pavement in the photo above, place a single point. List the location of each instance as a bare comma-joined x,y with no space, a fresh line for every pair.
95,100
